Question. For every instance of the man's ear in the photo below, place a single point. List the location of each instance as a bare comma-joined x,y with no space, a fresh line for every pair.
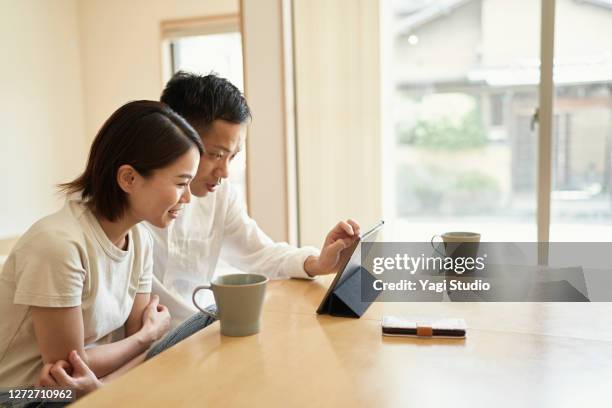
126,178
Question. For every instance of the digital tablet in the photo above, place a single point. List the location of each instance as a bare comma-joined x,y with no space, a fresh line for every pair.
351,259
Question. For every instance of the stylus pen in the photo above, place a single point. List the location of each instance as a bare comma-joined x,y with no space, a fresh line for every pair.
371,230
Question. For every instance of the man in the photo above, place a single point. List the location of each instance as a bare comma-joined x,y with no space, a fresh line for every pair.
215,224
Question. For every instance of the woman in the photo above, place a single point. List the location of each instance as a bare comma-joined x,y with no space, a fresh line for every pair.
78,275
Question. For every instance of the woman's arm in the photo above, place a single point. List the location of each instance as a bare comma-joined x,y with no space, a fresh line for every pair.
148,322
135,319
125,368
60,330
75,374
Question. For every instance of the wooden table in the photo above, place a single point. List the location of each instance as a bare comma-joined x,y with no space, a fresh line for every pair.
515,354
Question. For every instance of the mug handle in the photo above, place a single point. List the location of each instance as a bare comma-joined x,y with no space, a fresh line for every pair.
206,312
434,246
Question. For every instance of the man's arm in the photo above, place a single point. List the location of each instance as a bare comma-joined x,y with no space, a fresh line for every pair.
248,248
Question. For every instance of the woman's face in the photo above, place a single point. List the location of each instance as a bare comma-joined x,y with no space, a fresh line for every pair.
159,198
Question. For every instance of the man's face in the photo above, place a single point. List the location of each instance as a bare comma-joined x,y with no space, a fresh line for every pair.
222,141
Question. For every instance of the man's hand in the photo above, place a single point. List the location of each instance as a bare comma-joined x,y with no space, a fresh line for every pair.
73,374
337,240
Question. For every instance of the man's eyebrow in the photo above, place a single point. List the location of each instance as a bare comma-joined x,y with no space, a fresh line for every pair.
185,175
225,149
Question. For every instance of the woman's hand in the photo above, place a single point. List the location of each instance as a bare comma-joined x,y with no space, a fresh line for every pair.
73,374
46,379
155,320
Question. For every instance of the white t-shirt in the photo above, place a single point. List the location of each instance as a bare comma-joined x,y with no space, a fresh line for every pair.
66,260
212,227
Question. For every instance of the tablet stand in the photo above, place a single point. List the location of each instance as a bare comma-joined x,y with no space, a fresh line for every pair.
348,299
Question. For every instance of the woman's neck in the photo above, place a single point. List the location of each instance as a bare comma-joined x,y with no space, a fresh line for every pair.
116,231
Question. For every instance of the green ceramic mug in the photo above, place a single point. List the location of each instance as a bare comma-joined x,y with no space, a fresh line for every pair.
239,298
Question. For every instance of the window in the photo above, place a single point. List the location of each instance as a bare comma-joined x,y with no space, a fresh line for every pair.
464,90
204,46
465,86
581,200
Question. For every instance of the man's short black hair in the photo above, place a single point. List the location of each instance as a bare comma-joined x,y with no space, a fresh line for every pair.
202,99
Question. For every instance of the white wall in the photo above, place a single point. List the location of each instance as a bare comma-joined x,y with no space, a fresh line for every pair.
121,52
270,175
42,141
337,76
72,63
66,66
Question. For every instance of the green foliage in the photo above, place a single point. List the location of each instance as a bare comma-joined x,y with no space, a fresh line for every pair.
443,134
474,181
429,189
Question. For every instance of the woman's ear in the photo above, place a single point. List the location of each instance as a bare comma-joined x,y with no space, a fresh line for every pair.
126,178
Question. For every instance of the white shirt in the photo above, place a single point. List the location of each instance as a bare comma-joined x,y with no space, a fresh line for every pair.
66,260
209,228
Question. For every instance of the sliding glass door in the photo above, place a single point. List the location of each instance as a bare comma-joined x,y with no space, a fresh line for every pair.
464,84
462,79
581,200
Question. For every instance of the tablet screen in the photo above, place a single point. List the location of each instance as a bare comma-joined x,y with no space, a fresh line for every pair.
351,261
